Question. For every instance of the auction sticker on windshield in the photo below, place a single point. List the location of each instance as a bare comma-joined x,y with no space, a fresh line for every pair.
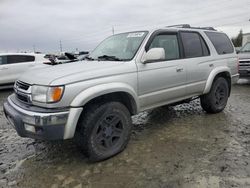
138,34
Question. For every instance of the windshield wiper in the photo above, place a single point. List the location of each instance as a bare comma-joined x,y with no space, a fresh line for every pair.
109,57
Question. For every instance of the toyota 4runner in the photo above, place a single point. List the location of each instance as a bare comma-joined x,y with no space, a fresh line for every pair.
93,100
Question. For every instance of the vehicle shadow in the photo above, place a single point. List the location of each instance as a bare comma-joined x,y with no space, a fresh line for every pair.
148,120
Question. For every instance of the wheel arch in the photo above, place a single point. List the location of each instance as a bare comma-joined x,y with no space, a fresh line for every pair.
219,72
108,92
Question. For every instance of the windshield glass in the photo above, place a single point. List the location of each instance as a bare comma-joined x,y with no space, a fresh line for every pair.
120,47
245,48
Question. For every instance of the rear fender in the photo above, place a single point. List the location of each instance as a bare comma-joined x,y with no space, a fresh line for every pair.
212,75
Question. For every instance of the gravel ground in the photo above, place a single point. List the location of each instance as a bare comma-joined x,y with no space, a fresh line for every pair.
179,146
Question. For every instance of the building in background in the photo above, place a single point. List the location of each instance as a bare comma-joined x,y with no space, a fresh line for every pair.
245,38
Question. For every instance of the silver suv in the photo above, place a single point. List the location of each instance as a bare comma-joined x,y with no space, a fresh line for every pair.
93,100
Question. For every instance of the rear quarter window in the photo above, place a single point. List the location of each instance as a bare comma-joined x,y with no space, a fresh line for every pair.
221,42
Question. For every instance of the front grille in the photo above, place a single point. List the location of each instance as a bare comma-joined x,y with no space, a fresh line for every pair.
244,63
22,85
23,97
22,91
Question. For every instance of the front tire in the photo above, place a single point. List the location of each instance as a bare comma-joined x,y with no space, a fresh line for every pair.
216,100
104,130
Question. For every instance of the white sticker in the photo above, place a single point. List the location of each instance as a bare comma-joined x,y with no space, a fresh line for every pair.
132,35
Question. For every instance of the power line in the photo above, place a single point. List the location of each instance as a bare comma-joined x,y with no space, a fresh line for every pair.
212,4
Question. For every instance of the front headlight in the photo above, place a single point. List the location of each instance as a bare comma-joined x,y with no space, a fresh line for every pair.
46,94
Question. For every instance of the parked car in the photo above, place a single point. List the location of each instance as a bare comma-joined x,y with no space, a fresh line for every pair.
127,73
244,61
12,65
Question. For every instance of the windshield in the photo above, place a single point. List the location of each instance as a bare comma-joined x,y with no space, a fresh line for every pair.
245,48
119,47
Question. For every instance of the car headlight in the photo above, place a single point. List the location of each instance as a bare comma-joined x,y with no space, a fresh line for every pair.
46,94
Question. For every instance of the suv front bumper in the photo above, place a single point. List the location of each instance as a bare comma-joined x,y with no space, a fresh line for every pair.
39,125
244,73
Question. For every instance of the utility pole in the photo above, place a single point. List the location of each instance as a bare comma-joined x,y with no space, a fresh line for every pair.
34,48
60,46
113,30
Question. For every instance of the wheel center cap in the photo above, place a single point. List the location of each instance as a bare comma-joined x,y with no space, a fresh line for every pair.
108,131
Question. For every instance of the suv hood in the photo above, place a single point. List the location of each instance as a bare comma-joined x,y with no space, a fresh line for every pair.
245,55
77,71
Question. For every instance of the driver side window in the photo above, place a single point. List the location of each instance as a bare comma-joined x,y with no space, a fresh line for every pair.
3,60
169,43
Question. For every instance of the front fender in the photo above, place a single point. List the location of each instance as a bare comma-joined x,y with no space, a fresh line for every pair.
212,75
88,94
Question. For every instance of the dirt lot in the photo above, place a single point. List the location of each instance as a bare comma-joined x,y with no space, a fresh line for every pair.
179,146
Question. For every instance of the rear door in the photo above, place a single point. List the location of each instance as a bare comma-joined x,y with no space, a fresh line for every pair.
198,61
3,70
14,66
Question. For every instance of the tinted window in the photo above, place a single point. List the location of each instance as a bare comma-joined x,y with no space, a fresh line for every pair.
204,47
19,58
169,43
194,45
221,42
3,60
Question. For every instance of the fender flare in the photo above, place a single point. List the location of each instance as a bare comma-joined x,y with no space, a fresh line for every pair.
90,93
212,75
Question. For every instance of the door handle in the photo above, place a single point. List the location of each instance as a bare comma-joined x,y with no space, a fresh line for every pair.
179,69
211,65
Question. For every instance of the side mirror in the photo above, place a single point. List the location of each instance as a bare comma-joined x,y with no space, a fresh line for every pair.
154,54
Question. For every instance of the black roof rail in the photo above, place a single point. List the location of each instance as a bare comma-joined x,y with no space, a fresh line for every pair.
189,27
180,26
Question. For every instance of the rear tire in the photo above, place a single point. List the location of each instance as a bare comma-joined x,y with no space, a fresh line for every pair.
216,100
103,130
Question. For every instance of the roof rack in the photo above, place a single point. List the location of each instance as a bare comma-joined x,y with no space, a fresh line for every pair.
189,27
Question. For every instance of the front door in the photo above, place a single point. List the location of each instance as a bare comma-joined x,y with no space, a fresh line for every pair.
162,82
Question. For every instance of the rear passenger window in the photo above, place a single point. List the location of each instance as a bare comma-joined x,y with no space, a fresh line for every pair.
194,45
169,43
221,42
19,58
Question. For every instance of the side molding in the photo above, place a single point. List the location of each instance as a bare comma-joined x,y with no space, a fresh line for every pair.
212,75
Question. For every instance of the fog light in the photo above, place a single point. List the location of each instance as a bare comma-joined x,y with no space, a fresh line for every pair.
29,128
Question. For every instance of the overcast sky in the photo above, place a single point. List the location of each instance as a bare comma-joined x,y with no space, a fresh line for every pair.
82,24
